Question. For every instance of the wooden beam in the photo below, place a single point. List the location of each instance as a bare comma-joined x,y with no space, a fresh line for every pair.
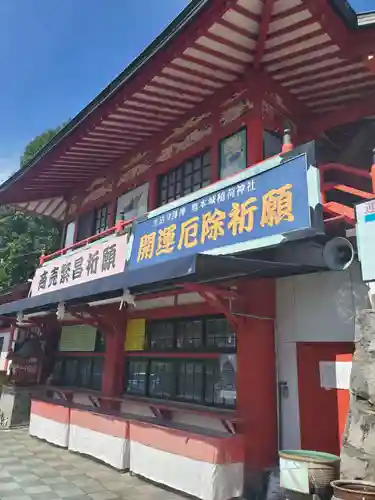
263,32
352,150
258,82
349,112
329,21
361,43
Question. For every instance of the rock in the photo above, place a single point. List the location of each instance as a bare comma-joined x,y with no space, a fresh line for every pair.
365,335
358,450
360,428
362,379
354,465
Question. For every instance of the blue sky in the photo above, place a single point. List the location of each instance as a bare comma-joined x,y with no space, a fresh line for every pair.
362,5
56,55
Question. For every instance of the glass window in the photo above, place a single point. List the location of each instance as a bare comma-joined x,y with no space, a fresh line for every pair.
161,335
190,176
161,379
70,371
190,381
84,372
69,234
196,380
189,334
272,144
78,372
85,225
219,334
99,342
220,383
96,373
58,372
101,219
136,380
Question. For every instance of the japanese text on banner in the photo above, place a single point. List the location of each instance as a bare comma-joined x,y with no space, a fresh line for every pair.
93,263
276,205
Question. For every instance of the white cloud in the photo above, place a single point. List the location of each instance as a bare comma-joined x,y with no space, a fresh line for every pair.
8,165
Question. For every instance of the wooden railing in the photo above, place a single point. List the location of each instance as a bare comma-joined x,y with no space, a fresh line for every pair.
357,184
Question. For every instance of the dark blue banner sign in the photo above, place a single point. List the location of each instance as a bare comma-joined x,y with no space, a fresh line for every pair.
228,217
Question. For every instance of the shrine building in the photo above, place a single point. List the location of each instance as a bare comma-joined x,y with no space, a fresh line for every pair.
200,314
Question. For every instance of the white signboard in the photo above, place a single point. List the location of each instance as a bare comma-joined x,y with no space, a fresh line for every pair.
365,231
89,263
335,374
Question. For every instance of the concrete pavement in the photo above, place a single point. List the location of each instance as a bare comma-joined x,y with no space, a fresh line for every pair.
31,469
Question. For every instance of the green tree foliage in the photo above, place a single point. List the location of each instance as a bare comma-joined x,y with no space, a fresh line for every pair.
38,143
23,238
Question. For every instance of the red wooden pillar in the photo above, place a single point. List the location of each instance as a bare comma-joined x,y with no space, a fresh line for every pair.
256,380
153,192
113,370
254,131
111,221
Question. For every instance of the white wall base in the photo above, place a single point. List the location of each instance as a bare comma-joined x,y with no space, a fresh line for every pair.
54,432
203,480
111,450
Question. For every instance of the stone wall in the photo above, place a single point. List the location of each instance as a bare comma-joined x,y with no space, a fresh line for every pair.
358,450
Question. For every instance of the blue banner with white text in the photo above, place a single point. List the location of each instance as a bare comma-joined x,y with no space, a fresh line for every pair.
273,202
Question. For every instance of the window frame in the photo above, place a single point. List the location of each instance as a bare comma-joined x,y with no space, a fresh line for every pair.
177,362
99,225
71,224
275,135
168,361
175,348
76,381
127,372
178,355
179,175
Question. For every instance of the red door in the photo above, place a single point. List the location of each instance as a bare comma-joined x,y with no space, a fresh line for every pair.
323,411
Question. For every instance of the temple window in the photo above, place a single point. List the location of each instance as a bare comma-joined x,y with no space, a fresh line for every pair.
191,175
190,381
272,144
80,361
169,369
69,234
100,219
92,222
161,379
85,225
137,377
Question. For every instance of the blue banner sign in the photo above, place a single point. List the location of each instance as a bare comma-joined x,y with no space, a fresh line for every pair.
248,210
